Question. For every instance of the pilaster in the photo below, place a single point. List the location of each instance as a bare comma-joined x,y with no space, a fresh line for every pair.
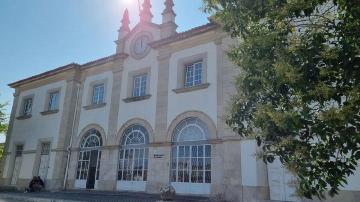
66,131
8,165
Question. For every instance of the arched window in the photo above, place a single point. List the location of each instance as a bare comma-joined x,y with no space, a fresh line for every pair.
133,157
92,139
89,160
191,129
191,153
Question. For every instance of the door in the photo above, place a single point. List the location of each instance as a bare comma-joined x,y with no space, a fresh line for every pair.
132,174
90,183
44,161
191,169
281,183
17,165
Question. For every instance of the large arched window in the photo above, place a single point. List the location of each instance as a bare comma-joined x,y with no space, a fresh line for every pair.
191,153
89,160
133,157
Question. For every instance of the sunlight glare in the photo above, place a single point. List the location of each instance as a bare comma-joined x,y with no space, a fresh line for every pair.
127,2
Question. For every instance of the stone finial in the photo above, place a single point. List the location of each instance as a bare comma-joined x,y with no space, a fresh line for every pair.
125,22
169,4
145,14
123,32
168,26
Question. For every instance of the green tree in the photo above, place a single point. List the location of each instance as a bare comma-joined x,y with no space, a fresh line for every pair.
3,119
299,88
3,126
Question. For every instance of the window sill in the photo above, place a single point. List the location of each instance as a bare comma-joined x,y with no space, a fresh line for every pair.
136,99
90,107
48,112
190,89
23,117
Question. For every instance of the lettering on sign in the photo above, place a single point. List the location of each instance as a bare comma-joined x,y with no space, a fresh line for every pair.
158,156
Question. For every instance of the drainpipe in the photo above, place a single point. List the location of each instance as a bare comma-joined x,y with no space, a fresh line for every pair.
71,137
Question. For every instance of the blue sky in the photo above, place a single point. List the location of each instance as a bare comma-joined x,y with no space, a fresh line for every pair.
40,35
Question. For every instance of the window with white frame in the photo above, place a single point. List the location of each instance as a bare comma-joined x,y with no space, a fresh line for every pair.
139,86
53,101
98,94
191,153
133,158
193,74
27,106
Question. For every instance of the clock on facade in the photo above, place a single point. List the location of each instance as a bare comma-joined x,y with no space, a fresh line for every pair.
140,45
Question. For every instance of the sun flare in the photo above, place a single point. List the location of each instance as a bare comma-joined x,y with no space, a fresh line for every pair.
127,2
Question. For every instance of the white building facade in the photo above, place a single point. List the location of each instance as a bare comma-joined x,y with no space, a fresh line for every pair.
149,115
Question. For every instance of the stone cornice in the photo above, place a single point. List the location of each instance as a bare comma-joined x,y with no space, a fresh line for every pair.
45,75
185,35
72,66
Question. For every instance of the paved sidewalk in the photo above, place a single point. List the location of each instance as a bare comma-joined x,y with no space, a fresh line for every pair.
90,196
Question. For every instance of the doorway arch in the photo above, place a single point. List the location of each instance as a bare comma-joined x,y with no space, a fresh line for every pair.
88,168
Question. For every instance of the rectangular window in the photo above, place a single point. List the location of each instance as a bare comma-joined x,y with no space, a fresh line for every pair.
193,74
45,148
53,101
19,150
27,106
98,94
139,86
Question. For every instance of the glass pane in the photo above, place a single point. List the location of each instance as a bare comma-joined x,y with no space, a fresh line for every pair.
174,152
180,176
120,175
194,163
201,151
194,176
194,151
146,164
181,151
145,175
208,151
208,163
187,151
200,177
173,175
173,163
207,177
201,164
186,176
181,164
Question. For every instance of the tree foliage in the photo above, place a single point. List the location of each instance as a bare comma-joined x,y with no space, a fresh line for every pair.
299,88
3,119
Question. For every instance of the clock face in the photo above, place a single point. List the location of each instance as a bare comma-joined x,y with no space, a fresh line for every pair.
141,45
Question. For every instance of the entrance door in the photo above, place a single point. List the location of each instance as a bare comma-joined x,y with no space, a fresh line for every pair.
17,166
191,169
44,161
90,183
88,168
281,183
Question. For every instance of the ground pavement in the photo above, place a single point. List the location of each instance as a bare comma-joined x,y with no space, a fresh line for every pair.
89,196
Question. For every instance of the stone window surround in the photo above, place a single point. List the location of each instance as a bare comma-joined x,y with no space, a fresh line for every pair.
89,105
130,85
46,105
21,115
182,63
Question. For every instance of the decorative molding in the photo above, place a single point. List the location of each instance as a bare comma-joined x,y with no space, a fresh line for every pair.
136,99
90,107
190,89
48,112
